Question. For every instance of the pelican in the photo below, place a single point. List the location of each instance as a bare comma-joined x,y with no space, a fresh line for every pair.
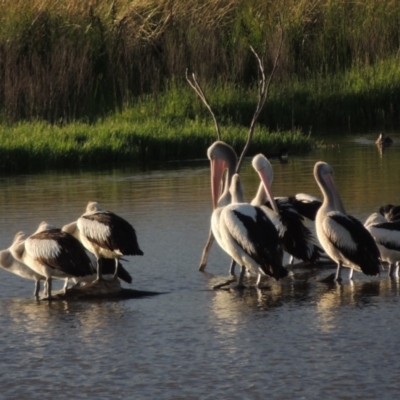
243,231
390,212
387,237
305,204
296,239
343,237
13,265
53,254
104,234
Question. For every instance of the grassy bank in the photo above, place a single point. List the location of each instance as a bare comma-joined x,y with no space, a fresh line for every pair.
81,60
141,134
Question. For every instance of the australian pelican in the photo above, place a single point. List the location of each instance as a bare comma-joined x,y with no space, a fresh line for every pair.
296,239
52,253
105,234
243,231
12,264
387,237
343,237
390,212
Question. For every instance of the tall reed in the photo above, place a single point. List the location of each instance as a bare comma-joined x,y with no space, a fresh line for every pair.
62,61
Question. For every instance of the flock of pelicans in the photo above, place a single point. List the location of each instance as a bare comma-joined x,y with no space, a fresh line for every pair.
82,251
255,235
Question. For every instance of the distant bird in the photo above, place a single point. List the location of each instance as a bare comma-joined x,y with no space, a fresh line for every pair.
104,234
390,212
243,231
383,140
15,266
343,237
296,239
387,237
282,155
53,254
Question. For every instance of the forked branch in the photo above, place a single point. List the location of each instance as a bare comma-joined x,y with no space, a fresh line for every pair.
199,91
263,92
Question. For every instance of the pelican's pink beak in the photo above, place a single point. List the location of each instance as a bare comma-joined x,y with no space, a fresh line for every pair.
218,167
263,173
337,201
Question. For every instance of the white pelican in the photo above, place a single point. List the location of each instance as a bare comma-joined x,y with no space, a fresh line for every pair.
53,254
387,237
104,234
343,237
242,230
296,239
15,266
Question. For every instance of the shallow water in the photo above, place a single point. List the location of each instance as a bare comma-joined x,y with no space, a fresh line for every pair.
295,339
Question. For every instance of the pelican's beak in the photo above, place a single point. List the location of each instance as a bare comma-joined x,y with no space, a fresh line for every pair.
266,179
218,167
337,201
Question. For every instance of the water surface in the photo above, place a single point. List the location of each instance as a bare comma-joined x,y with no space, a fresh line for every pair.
296,339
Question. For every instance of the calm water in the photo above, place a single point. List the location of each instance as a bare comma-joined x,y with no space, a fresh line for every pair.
298,339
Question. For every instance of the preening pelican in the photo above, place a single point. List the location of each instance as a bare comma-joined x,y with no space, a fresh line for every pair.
296,239
343,237
105,234
243,231
387,237
53,254
15,266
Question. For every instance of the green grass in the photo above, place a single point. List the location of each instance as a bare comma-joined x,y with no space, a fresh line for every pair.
135,136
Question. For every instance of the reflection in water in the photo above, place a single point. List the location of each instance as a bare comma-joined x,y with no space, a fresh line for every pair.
358,294
291,338
37,320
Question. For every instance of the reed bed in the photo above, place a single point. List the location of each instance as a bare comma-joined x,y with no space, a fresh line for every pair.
76,60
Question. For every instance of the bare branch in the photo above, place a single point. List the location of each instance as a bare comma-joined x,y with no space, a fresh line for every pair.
263,92
196,87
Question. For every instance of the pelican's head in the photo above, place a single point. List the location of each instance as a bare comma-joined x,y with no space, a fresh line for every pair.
264,169
93,206
222,157
44,226
236,189
323,174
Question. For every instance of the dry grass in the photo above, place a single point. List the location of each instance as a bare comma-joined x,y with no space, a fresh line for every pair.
66,60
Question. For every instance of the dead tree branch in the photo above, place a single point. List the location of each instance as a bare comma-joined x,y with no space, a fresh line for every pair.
199,91
263,93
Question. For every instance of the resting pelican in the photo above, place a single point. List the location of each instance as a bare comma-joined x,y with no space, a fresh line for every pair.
104,234
387,237
15,266
343,237
296,239
305,204
243,231
53,254
390,212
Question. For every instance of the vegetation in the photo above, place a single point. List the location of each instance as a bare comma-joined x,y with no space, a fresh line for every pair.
136,135
90,64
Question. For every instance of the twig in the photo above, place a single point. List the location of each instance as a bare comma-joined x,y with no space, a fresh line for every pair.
263,92
199,91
